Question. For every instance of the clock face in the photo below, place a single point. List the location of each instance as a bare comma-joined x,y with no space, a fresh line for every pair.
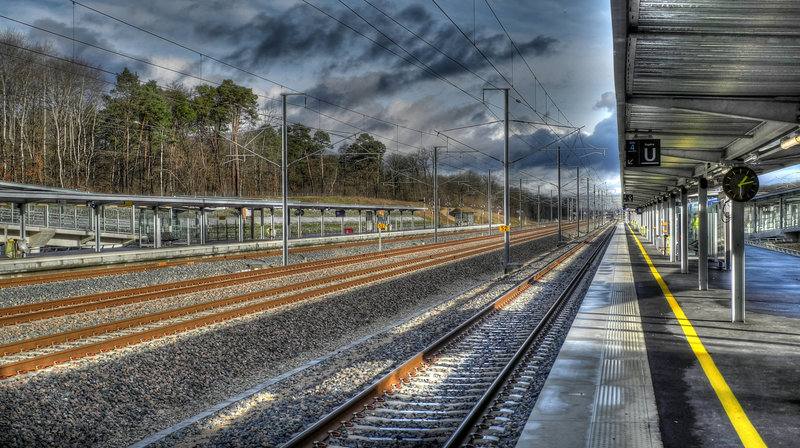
740,184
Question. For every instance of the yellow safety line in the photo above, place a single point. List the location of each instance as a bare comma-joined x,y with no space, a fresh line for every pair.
747,433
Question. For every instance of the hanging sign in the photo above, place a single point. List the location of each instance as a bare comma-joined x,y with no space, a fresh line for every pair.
642,153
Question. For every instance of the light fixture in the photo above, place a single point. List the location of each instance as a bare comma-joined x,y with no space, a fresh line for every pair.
788,143
751,159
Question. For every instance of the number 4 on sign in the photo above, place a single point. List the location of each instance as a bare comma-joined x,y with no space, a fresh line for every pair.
504,228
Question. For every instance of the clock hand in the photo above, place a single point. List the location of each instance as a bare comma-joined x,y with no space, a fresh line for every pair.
744,181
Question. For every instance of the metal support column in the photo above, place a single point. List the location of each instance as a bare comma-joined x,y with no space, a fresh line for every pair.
23,231
261,221
506,184
133,219
672,232
203,226
588,208
684,251
702,236
322,222
559,195
755,217
97,225
489,198
436,193
737,254
578,201
156,229
300,223
240,222
272,222
359,221
252,224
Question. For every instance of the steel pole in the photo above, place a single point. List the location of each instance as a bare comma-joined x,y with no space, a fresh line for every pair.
737,254
489,194
702,236
559,194
436,193
506,194
538,204
284,181
578,199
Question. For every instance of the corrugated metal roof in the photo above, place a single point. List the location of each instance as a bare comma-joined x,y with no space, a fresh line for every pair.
11,192
715,81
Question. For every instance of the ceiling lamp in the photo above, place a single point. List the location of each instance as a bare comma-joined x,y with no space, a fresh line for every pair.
788,143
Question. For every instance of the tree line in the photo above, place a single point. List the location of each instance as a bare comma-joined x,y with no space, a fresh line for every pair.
65,125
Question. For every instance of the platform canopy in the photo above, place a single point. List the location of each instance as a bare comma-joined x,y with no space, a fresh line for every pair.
715,83
11,192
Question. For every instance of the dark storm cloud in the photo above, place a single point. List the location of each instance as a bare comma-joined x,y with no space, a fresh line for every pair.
302,33
538,46
415,14
607,101
64,45
296,33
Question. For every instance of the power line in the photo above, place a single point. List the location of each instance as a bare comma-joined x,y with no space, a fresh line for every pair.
547,95
485,57
426,67
227,64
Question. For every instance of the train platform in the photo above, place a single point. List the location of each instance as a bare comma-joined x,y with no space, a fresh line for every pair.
652,361
87,258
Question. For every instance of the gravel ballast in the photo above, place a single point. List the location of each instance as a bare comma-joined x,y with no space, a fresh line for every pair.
121,397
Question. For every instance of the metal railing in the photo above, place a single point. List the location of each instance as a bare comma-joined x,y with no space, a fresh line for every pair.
70,217
774,247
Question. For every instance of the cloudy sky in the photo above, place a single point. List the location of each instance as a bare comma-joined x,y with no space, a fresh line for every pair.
412,73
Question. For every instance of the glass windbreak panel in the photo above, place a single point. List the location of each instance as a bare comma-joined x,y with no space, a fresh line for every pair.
718,222
792,213
694,225
716,229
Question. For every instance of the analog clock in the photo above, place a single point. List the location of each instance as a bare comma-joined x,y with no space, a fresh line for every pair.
740,184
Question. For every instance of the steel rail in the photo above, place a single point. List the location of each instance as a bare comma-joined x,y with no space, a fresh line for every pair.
467,428
315,434
42,361
34,279
44,310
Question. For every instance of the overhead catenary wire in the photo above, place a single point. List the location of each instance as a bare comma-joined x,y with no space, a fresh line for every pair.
207,56
189,75
426,67
204,54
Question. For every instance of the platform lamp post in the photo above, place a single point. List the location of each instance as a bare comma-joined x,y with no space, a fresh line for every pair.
285,176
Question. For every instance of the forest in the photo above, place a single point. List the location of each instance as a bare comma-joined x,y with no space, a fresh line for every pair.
64,124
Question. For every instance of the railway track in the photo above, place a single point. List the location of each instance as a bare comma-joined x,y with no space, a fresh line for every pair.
53,308
143,328
33,279
72,305
440,396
